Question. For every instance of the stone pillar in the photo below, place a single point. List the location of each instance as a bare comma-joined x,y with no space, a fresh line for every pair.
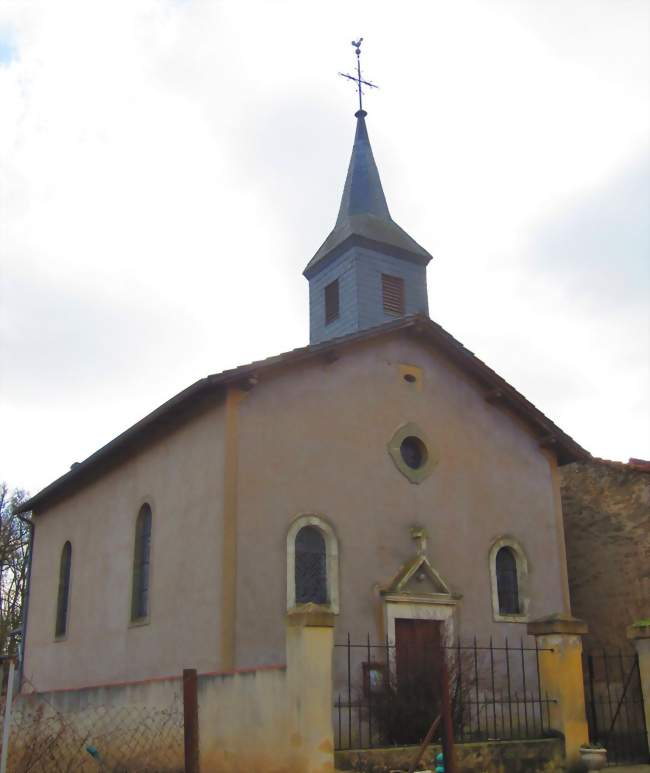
560,672
639,634
310,643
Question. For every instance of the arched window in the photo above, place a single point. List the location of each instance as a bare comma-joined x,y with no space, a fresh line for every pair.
312,563
141,564
63,597
509,577
507,585
311,566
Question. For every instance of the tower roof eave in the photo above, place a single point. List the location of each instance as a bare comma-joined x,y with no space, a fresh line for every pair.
371,231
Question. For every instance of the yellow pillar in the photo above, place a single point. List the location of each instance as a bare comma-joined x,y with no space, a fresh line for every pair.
310,643
560,671
639,634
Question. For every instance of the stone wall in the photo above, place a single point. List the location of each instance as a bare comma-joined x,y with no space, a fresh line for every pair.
276,718
543,756
245,724
136,727
607,526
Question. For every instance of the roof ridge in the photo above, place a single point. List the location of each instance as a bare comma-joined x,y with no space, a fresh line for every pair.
465,359
638,465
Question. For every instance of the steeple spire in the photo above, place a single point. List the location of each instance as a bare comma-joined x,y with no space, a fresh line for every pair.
364,218
368,271
362,192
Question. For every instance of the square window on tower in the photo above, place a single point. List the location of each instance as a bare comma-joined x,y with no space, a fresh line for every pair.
392,288
332,301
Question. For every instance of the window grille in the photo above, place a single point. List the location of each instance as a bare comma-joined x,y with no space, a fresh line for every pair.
64,591
332,301
393,294
141,564
507,586
311,566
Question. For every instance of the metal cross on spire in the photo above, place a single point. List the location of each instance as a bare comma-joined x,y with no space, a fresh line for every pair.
358,80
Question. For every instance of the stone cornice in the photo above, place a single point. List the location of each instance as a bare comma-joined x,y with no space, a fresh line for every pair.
557,624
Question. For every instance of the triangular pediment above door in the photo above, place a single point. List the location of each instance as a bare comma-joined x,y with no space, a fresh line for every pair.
417,578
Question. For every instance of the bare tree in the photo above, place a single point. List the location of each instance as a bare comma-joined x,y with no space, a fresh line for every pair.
14,547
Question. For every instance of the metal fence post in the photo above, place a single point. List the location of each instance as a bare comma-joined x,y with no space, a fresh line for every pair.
191,720
447,718
7,718
639,635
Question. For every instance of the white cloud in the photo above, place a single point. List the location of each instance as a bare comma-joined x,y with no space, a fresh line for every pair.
168,168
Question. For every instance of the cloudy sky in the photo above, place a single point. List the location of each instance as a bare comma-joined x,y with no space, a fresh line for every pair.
168,168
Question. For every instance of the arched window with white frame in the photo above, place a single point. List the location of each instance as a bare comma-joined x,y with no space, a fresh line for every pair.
507,584
310,569
312,563
509,581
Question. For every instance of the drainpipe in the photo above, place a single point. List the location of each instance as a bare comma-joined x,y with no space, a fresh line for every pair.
28,585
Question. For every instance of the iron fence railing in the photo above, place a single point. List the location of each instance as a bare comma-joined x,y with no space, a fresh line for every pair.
387,697
614,701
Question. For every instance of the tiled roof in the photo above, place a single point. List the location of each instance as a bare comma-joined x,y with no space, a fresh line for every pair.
637,465
497,391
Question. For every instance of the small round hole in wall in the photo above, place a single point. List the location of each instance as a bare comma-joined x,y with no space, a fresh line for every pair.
410,377
413,452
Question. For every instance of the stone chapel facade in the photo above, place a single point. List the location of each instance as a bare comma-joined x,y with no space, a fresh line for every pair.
383,472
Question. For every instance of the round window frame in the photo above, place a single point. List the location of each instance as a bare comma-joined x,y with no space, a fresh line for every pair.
395,451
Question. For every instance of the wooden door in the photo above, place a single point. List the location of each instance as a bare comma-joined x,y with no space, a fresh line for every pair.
417,658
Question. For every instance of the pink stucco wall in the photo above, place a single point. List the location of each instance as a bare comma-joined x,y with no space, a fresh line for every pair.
312,439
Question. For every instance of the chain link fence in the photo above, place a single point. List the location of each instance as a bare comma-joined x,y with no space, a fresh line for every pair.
115,737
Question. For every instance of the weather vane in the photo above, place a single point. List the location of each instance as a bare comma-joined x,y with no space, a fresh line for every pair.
358,80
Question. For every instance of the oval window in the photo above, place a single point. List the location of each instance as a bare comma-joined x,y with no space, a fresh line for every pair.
414,452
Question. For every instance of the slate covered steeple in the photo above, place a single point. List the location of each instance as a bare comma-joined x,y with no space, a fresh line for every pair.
362,193
368,270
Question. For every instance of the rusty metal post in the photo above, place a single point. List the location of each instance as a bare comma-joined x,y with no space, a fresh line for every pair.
447,719
191,720
423,746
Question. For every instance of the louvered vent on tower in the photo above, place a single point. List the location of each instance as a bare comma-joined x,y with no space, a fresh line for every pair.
393,293
332,301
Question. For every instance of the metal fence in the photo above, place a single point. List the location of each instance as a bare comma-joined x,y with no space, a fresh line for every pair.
383,698
615,705
131,738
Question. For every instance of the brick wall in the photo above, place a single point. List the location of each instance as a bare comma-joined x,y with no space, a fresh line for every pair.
607,523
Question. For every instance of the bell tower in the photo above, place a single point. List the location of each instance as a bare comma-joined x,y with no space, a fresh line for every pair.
368,271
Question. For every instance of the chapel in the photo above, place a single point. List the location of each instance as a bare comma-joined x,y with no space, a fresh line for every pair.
382,472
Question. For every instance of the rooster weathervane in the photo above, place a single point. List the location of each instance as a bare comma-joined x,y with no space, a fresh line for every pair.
358,79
